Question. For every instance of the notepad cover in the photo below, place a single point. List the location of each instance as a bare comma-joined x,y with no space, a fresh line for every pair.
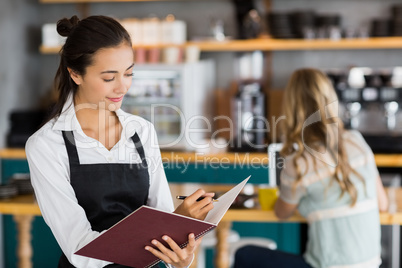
124,243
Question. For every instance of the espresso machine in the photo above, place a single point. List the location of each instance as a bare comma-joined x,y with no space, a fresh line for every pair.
370,102
248,112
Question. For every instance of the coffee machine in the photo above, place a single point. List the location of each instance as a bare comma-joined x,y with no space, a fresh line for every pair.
370,102
248,112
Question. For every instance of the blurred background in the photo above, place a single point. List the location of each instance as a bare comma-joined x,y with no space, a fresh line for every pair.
213,58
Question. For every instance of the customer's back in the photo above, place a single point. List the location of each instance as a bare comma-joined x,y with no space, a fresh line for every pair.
339,233
331,175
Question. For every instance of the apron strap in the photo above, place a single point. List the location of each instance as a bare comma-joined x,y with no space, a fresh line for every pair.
140,149
69,140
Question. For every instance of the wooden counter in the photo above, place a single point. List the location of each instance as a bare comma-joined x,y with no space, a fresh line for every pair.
24,208
258,215
20,205
26,204
382,160
12,153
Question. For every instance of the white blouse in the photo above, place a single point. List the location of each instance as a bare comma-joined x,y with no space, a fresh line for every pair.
50,175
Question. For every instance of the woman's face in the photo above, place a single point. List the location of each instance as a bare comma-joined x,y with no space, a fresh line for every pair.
108,79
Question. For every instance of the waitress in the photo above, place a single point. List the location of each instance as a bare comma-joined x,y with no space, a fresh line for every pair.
92,164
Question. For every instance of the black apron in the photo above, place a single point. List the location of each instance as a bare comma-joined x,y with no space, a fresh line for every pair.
107,192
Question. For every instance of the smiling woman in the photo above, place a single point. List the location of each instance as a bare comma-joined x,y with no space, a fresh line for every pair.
104,85
107,79
81,161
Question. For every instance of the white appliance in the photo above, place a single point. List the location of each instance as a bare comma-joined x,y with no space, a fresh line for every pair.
177,99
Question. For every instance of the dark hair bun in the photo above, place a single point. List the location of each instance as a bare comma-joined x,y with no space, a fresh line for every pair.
64,26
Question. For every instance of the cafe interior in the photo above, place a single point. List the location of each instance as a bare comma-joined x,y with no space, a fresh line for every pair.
210,76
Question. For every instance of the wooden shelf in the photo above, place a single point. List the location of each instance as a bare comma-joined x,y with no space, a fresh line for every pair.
280,45
301,44
94,1
107,1
388,160
54,50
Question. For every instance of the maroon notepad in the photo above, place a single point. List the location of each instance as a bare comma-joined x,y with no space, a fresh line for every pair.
124,243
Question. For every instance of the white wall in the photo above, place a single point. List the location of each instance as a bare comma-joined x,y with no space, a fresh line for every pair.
18,62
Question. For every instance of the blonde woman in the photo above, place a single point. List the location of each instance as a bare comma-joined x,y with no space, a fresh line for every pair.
330,177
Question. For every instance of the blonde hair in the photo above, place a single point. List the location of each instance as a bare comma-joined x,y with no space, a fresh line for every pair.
310,97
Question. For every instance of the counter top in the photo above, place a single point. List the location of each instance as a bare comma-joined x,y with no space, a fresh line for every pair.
258,215
20,205
382,160
27,205
9,153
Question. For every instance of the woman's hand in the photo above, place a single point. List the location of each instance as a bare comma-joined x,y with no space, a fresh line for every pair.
175,255
190,207
196,209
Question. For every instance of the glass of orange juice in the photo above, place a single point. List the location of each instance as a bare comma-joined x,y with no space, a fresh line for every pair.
267,196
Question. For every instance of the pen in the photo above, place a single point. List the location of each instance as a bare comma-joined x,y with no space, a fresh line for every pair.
182,197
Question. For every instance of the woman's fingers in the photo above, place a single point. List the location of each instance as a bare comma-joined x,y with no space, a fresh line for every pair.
196,209
191,243
209,194
174,254
200,205
181,253
200,194
158,254
164,253
202,213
